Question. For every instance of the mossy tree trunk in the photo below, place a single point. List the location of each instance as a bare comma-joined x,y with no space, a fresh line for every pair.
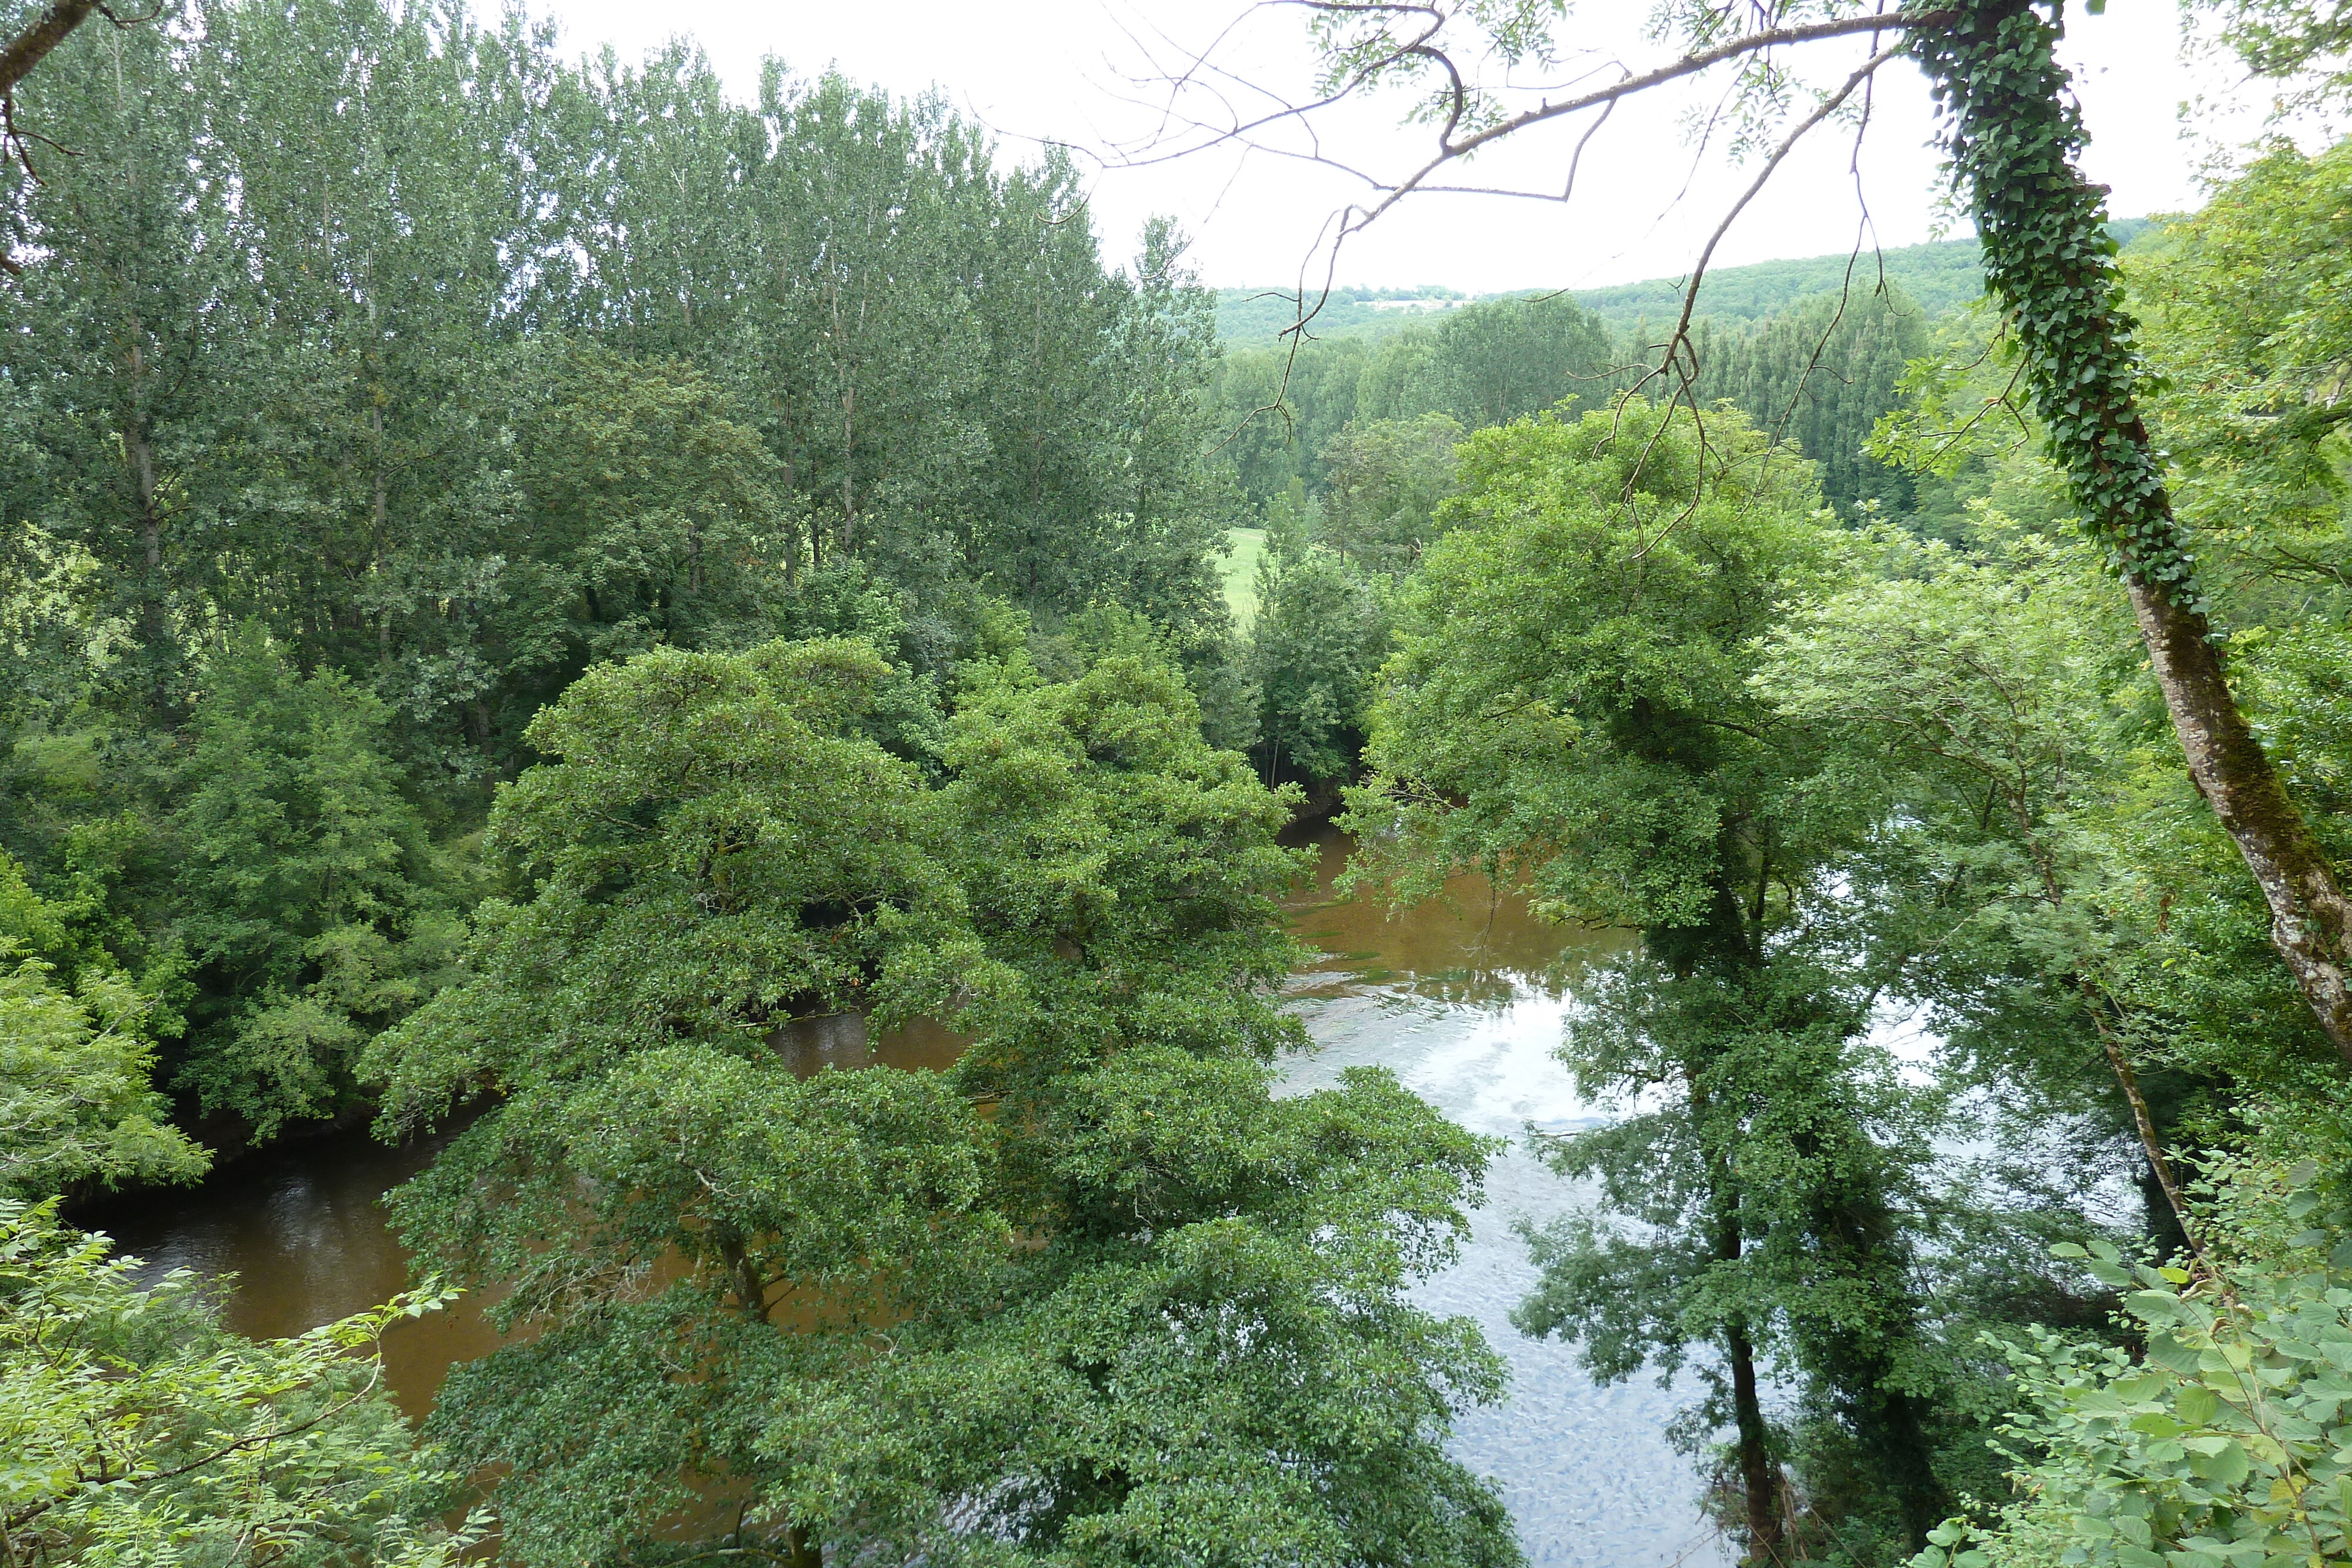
2015,135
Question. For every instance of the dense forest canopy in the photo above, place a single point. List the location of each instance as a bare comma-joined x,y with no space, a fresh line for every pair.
524,582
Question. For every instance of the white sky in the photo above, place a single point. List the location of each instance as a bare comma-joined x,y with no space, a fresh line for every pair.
1064,70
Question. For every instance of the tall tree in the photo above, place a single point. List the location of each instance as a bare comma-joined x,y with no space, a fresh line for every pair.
1821,374
1570,711
855,1293
121,335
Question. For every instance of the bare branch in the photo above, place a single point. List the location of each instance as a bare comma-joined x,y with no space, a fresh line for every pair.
1689,65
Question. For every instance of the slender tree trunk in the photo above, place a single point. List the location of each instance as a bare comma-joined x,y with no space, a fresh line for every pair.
378,528
2014,137
141,452
792,540
2159,1167
1758,1477
849,472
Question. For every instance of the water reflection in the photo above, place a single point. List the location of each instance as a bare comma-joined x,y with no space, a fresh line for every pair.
842,1041
1464,1002
1471,946
302,1229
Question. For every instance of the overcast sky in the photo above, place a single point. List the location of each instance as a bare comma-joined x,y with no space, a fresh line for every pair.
1073,70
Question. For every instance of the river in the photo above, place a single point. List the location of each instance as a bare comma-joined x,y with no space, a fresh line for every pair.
1462,1000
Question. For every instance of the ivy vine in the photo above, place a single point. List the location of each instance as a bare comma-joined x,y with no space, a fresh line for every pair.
2013,133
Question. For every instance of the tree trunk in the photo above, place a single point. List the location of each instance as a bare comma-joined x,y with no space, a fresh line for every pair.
1758,1477
379,524
2015,136
140,454
849,472
2311,920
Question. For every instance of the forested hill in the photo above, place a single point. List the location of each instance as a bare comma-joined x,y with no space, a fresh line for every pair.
1936,277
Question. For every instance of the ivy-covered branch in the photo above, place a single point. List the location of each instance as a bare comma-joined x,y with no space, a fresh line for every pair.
2049,260
2014,133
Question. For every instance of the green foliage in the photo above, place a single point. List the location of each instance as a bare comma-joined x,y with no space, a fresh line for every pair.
855,1293
1821,374
1938,276
1580,726
713,849
307,914
2243,315
1123,867
75,1104
1572,709
461,429
1760,1191
1507,359
2301,42
2216,1447
1321,633
1205,1361
380,373
1286,413
1978,692
1385,481
132,1430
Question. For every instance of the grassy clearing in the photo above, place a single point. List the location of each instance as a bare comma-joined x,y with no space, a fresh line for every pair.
1240,573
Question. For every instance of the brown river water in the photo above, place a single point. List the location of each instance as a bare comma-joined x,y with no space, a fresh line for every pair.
1462,998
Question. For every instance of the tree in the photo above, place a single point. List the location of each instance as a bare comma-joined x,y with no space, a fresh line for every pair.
46,32
1279,409
2014,140
77,1106
2012,136
1208,1358
2240,320
1570,711
854,1297
1124,868
710,851
1501,360
1976,694
1386,479
1821,374
117,338
1205,1356
308,909
1315,649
